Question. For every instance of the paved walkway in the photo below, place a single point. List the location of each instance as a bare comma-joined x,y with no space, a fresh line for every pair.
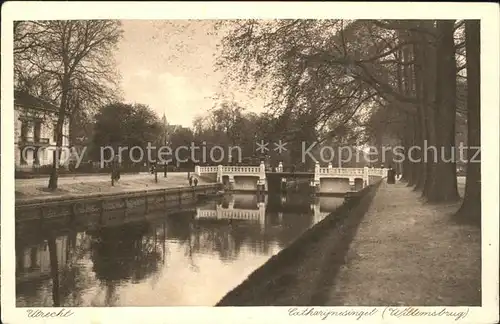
410,253
101,177
27,189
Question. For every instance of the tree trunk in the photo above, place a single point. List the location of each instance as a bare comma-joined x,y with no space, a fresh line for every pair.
430,84
407,165
59,138
421,94
406,174
416,170
444,184
56,155
410,89
413,153
471,205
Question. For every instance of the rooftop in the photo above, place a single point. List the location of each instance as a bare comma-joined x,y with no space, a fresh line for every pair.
26,100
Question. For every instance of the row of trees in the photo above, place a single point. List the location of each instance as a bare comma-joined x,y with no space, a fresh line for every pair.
71,64
347,81
227,125
404,80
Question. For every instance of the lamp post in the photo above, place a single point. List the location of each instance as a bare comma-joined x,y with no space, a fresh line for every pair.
156,172
165,162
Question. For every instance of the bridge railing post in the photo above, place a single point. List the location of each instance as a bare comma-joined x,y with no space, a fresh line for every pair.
261,183
197,170
366,177
231,181
316,174
219,173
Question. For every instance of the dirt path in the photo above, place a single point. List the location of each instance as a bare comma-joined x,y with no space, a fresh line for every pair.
27,189
391,250
410,253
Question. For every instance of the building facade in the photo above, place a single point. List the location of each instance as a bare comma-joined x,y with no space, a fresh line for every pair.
34,132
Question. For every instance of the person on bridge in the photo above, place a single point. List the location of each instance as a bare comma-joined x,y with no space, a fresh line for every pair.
195,181
391,175
190,179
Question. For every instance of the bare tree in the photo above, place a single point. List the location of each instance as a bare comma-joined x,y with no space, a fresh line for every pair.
75,59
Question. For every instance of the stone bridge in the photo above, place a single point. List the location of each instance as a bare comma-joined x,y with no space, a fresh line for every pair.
242,208
323,179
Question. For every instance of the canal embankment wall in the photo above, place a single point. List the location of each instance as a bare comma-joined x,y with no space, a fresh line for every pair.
107,208
296,274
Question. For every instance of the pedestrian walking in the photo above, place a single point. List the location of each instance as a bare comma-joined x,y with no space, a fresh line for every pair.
190,179
195,182
115,170
113,174
117,167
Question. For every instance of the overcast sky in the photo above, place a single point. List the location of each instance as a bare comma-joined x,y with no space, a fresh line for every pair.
169,65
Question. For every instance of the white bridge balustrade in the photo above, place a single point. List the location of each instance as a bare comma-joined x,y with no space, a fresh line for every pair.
252,215
348,173
368,175
319,210
205,169
234,171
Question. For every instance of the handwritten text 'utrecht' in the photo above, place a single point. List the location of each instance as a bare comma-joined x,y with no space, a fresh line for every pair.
37,313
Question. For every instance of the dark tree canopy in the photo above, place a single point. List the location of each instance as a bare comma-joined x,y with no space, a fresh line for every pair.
393,81
138,125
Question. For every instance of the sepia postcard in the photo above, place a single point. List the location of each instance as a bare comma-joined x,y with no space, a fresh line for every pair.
250,162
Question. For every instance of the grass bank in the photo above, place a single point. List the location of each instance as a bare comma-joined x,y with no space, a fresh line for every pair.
408,252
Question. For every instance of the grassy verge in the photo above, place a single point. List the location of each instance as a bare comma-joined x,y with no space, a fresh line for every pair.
407,253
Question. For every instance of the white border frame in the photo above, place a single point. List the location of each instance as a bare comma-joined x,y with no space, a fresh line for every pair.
487,12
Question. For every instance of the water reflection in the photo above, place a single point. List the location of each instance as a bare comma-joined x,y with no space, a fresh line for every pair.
192,257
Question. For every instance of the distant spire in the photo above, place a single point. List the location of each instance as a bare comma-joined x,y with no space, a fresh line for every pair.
164,119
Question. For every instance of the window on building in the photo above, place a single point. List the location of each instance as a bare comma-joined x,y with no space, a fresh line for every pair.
22,158
38,129
54,132
24,130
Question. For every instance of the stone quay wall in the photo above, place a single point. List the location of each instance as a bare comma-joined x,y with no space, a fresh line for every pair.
108,209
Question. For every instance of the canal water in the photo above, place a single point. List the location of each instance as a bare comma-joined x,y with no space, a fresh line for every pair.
190,257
